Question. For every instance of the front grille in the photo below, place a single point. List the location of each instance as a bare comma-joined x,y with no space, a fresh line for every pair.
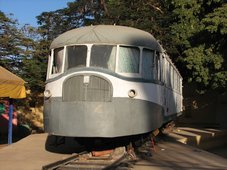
87,88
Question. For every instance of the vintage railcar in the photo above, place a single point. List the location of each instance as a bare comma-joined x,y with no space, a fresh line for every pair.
109,81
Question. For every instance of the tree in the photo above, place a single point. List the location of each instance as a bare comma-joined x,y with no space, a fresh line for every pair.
193,32
34,59
148,15
77,14
199,36
216,29
10,39
22,52
120,12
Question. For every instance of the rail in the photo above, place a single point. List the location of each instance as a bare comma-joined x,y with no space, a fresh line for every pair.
85,161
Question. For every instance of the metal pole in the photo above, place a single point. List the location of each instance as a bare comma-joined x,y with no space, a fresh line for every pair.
10,124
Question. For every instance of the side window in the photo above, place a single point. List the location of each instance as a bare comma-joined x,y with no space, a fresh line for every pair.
175,80
172,77
167,72
57,61
178,83
163,69
156,67
169,75
147,64
76,56
129,59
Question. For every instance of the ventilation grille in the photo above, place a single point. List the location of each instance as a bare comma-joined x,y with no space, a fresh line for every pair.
87,88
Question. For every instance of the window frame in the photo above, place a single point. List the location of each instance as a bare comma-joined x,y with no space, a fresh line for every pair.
66,55
51,64
162,72
115,57
135,75
152,63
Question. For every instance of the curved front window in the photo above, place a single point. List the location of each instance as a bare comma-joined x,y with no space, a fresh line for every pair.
76,56
57,61
128,61
103,56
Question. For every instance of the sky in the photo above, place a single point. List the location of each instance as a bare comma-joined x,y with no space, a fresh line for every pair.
25,11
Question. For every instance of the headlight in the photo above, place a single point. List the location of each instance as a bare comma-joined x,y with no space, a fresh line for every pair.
47,94
132,93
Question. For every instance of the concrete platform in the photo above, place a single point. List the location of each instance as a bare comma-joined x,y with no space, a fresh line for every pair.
173,152
28,154
177,156
34,151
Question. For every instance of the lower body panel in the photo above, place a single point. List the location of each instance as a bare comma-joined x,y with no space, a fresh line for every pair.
120,117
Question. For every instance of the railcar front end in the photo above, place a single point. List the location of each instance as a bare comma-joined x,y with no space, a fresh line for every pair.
102,86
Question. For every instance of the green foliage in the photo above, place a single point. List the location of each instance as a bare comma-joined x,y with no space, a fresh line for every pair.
34,60
198,32
193,32
204,66
77,14
185,22
147,15
216,22
10,40
23,52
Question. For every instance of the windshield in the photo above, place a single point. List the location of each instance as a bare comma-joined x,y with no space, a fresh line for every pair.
129,59
103,56
57,61
76,56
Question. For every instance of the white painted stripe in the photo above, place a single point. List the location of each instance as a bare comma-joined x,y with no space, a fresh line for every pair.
145,91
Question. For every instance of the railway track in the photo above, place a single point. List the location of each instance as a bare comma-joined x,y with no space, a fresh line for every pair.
120,158
85,161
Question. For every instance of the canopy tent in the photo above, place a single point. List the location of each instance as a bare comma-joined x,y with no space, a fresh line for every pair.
12,87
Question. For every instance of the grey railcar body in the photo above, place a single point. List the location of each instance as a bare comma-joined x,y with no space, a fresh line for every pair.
109,81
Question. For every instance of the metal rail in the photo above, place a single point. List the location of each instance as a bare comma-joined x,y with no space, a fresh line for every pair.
57,164
118,159
84,161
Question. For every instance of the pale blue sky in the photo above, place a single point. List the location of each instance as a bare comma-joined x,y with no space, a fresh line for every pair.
25,11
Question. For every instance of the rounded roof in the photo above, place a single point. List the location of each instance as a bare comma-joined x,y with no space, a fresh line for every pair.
109,34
